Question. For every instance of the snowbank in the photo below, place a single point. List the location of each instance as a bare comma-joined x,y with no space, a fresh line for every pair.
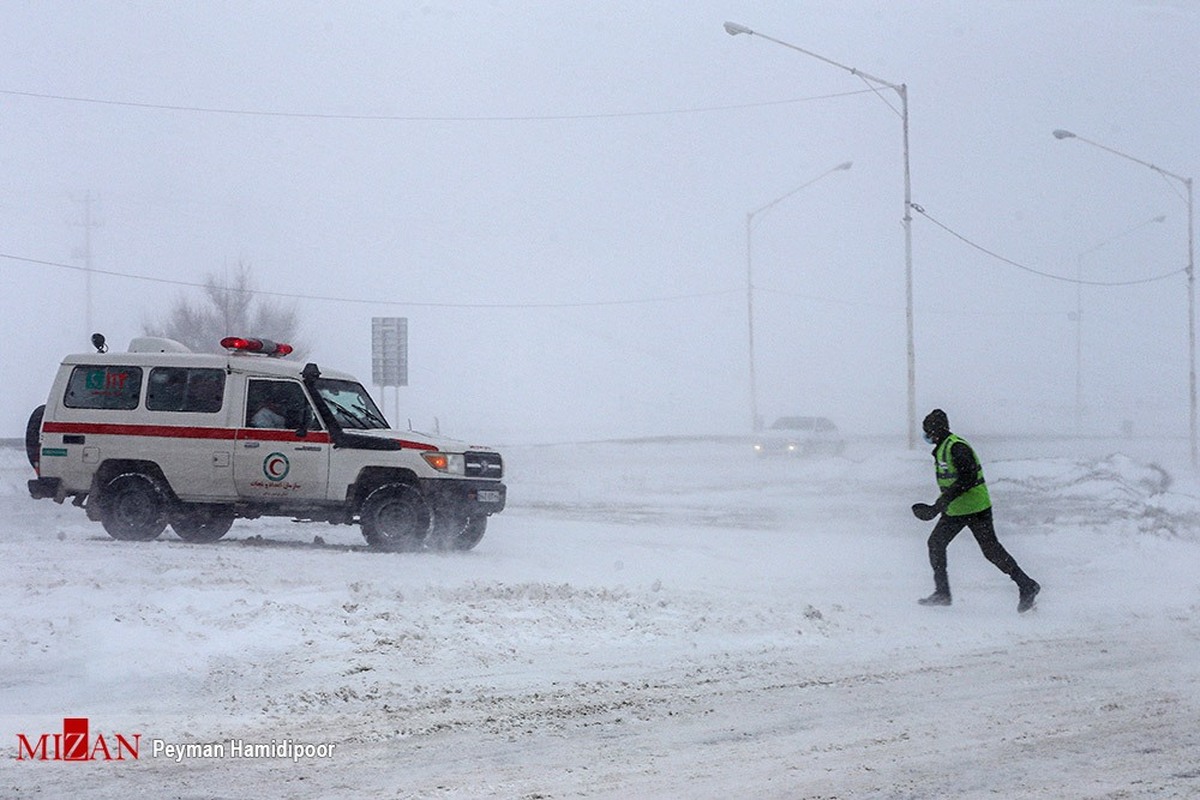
652,619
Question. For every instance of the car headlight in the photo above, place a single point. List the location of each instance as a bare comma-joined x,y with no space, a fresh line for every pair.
450,463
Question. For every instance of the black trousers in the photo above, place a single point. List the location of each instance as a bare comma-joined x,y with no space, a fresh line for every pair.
984,530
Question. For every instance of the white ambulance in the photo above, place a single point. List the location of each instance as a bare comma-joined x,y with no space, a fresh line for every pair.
161,436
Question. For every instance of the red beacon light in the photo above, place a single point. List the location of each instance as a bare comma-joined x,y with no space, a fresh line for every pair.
261,346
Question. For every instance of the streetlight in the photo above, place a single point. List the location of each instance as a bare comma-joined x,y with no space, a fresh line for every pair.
1191,274
755,421
733,29
1079,311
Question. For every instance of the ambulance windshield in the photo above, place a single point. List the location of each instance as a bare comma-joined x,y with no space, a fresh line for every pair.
350,404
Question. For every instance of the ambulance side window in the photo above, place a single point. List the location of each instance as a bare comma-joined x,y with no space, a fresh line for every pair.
279,405
185,389
112,387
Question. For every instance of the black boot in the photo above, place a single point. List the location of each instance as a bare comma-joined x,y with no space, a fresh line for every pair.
1029,593
938,598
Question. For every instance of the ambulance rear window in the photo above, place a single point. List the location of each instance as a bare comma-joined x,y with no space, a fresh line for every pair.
108,387
185,389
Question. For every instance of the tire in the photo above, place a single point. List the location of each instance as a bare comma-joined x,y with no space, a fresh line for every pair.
33,435
395,517
457,531
133,507
201,522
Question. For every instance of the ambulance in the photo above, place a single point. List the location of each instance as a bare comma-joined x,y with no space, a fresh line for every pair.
160,435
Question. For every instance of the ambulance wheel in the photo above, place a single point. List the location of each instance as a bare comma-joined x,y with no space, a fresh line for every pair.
457,531
33,433
133,507
395,517
201,523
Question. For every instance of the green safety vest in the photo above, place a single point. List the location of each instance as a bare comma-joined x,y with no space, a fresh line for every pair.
974,499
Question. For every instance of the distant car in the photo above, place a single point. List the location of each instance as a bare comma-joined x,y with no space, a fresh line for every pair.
800,436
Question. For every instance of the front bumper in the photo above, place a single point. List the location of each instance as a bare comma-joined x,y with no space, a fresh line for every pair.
465,496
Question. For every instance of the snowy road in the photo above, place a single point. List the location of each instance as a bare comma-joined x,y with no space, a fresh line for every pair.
645,620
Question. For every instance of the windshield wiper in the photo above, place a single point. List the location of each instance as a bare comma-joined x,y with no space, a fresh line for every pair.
349,418
371,415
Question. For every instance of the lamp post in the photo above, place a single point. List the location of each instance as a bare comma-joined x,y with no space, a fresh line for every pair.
755,420
1191,274
733,29
1079,311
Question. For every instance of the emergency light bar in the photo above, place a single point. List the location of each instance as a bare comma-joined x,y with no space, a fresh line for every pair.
260,346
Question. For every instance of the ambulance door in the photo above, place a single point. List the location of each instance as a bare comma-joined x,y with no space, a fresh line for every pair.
191,443
281,452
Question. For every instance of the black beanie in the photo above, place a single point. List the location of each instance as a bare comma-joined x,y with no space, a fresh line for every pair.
936,422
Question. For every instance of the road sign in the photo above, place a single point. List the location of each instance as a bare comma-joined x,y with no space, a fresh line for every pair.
389,351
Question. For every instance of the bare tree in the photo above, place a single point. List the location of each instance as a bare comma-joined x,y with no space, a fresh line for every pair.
228,308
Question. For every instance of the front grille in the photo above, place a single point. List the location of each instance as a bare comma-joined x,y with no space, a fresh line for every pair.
484,465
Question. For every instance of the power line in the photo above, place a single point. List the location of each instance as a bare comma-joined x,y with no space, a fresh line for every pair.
1038,272
899,308
421,118
375,302
840,301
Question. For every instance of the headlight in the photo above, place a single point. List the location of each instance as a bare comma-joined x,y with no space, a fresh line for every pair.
450,463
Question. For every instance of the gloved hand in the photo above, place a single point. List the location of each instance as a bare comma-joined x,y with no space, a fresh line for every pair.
924,511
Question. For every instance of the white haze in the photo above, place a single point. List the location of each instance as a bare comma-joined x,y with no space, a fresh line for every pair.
526,175
554,194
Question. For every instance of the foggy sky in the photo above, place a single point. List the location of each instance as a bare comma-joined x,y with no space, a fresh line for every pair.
556,199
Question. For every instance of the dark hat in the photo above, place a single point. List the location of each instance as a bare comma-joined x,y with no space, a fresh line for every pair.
936,422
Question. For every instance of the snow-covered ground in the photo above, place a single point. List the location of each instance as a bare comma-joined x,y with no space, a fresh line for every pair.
644,620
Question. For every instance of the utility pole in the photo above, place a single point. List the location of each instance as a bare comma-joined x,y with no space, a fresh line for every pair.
85,253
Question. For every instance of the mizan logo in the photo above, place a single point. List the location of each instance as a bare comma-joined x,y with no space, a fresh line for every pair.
75,744
276,466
